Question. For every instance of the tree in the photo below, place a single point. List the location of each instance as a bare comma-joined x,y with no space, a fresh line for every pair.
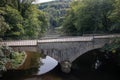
14,19
35,22
115,17
55,12
88,16
3,25
69,26
21,19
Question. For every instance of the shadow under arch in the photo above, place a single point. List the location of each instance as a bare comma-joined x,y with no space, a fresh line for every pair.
85,61
107,62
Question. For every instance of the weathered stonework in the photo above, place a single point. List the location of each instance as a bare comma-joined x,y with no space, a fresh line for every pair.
62,51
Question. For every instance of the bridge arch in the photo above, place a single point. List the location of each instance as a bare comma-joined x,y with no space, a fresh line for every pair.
70,50
89,54
61,49
87,60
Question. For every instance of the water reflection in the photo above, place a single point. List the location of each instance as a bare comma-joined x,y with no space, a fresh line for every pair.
39,61
48,64
81,70
32,61
34,65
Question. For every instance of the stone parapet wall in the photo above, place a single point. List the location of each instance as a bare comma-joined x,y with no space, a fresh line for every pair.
70,50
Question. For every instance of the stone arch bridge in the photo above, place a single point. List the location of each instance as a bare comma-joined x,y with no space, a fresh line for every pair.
61,49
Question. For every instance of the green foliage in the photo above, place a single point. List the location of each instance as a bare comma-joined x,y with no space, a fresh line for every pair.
17,59
90,16
3,26
115,17
55,12
35,22
14,19
21,20
113,46
7,55
112,50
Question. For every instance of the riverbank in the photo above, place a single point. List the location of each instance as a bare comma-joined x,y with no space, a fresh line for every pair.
82,72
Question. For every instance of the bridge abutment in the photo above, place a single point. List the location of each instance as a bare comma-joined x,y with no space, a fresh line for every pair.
70,50
66,66
62,51
64,48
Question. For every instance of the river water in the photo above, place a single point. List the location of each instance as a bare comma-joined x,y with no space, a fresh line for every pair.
46,68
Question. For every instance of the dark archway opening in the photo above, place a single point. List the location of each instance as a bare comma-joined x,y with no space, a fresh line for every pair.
108,69
85,61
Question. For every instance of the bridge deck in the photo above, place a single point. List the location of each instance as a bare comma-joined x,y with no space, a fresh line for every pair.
34,42
20,43
68,39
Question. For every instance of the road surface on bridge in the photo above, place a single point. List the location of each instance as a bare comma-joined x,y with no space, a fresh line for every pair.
64,39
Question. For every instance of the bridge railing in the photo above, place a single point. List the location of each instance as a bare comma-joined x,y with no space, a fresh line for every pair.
90,34
19,43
